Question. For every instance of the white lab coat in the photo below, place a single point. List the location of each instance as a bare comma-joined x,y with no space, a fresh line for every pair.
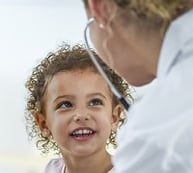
158,135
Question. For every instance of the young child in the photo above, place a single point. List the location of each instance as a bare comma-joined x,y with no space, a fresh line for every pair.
72,111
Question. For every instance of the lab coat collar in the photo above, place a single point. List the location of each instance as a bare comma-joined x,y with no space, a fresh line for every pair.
179,32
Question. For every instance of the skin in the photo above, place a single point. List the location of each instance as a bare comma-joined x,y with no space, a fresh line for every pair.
75,101
128,49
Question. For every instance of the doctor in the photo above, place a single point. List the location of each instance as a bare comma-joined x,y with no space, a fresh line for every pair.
143,40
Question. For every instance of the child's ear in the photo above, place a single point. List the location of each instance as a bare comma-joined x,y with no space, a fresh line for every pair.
116,116
41,121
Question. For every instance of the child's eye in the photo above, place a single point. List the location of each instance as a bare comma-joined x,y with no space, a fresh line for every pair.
65,104
95,102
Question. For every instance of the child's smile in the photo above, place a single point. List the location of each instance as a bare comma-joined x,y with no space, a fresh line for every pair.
83,134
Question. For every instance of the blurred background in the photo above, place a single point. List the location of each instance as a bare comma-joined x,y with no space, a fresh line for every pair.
29,29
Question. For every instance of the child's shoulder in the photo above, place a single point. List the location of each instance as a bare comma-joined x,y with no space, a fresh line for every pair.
55,165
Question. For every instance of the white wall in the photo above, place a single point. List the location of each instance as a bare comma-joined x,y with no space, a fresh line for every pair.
29,29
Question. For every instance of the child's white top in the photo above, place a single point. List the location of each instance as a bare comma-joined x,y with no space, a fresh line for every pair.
57,166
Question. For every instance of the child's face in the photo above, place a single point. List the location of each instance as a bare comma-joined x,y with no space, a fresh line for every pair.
78,112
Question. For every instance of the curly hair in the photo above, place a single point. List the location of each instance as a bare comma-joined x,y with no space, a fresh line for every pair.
67,58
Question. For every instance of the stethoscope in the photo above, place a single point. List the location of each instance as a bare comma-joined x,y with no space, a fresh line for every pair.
122,100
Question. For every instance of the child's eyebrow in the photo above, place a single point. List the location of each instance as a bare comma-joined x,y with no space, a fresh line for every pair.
97,94
73,97
63,96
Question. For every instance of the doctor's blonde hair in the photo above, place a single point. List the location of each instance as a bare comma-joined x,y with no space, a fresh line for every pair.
151,15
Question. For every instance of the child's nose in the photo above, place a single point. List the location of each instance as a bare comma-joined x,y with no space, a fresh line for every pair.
81,115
